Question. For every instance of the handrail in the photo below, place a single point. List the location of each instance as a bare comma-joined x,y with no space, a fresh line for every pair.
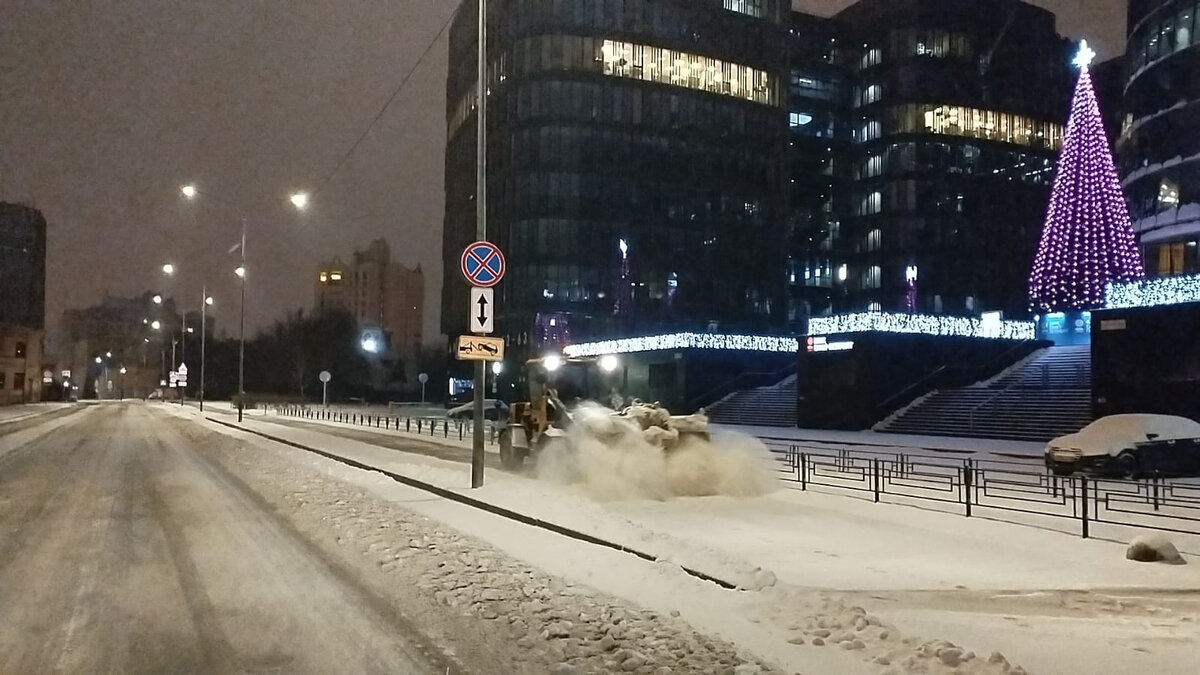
729,384
889,400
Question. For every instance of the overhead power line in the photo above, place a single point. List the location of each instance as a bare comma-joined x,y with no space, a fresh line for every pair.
391,99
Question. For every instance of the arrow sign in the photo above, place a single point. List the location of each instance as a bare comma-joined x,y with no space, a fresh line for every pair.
482,311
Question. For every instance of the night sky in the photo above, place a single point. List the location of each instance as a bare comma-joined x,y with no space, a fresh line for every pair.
107,108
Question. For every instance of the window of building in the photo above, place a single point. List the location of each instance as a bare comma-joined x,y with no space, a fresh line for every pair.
20,350
1183,28
752,8
799,119
972,123
681,69
872,277
874,241
1168,194
807,85
1171,259
871,57
870,94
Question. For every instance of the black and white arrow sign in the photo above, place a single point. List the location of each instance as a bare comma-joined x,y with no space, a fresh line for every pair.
482,311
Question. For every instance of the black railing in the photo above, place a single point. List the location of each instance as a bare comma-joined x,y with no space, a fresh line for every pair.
995,486
433,427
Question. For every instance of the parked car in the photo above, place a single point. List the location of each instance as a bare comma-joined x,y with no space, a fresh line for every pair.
1129,446
493,409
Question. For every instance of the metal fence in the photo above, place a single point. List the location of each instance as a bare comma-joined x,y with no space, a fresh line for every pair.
974,486
434,427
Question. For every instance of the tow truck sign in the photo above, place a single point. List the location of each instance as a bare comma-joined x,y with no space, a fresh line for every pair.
479,348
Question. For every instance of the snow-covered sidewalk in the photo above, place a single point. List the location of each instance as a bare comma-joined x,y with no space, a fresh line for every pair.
873,440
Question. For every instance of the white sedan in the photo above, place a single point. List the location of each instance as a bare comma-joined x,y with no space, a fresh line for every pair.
1129,446
493,409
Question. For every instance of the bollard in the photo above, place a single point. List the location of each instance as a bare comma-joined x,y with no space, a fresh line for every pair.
803,471
418,427
446,429
1154,483
875,467
1083,494
967,486
407,424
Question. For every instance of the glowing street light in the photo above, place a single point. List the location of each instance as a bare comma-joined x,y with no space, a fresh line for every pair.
108,354
369,344
208,301
123,371
188,191
609,363
497,367
99,360
156,325
299,200
240,271
168,269
552,363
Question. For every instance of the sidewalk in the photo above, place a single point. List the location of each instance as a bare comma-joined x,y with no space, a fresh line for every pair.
900,441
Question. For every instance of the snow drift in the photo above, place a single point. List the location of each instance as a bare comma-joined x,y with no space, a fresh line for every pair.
610,459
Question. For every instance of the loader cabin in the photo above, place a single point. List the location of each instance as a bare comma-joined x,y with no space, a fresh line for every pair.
573,380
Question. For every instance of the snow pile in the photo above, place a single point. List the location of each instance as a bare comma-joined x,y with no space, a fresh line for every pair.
831,622
610,459
1154,548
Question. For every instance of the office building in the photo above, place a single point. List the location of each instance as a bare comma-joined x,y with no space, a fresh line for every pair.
636,167
1158,153
956,117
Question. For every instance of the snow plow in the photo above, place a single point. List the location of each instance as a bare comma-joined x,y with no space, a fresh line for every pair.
552,418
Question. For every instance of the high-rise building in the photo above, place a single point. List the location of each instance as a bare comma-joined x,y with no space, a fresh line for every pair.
380,294
1158,153
636,166
721,165
955,119
22,266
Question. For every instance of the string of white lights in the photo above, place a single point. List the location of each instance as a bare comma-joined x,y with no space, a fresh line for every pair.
1152,292
921,324
749,343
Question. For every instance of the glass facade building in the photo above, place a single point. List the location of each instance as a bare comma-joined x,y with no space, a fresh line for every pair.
636,173
1158,152
953,121
731,165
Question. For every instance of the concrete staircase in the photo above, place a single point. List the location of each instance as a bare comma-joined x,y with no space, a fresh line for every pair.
1048,396
772,406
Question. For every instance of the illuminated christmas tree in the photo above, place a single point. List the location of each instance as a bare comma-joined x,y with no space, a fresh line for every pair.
1088,239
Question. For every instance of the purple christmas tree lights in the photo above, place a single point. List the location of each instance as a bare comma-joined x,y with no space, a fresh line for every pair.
1088,238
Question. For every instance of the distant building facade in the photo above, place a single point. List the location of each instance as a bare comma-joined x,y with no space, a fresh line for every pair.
22,302
22,266
380,294
1158,153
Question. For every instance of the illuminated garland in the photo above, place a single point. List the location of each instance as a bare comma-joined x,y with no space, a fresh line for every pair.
1151,292
921,324
748,343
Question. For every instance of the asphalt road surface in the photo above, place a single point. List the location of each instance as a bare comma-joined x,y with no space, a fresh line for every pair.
124,549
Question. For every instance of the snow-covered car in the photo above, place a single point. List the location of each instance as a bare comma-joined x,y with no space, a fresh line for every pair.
493,409
1129,446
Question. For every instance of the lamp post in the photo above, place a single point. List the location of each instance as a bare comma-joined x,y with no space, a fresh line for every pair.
299,200
206,301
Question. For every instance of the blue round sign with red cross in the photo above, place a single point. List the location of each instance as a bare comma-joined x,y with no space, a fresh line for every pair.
483,264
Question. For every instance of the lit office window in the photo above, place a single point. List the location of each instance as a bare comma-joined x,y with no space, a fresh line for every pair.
1168,194
681,69
799,119
752,8
972,123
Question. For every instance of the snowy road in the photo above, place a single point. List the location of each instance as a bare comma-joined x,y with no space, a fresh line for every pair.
124,548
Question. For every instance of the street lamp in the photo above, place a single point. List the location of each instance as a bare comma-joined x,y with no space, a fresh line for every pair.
168,269
157,299
300,201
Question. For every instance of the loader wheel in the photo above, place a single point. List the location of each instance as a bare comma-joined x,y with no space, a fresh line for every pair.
510,458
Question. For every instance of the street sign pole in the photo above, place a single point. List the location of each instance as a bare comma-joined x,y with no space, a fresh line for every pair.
481,234
325,376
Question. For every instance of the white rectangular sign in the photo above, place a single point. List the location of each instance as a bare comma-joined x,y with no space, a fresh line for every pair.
482,311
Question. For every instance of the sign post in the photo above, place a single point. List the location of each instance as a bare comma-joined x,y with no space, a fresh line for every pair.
422,378
182,381
325,377
483,266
